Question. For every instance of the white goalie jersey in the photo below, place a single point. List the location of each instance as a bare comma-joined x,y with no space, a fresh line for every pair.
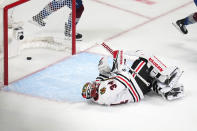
122,83
119,89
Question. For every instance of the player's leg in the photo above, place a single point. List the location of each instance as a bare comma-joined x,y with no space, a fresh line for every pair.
68,24
47,10
195,1
182,23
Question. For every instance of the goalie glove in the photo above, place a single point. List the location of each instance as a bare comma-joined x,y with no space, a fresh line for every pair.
103,66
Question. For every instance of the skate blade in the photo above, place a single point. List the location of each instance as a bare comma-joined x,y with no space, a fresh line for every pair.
69,39
176,26
79,39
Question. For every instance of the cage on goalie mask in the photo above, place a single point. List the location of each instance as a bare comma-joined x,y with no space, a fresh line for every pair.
86,90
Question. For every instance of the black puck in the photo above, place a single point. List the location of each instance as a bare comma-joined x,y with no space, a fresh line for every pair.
29,58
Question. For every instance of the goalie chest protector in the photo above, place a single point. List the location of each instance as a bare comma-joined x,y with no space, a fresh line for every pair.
140,67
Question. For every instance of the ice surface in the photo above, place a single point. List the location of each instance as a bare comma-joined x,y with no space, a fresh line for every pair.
62,81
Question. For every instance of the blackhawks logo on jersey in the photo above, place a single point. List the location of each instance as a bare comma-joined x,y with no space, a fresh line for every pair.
102,90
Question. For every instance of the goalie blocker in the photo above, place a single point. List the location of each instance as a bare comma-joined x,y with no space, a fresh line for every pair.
123,83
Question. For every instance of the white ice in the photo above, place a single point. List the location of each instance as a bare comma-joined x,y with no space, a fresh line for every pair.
123,24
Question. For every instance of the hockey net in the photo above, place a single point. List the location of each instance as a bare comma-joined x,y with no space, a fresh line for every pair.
17,35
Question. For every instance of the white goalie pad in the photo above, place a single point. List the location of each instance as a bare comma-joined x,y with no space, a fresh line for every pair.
162,72
170,82
166,74
119,61
171,93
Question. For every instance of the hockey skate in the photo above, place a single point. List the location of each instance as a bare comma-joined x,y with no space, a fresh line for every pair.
68,33
78,36
180,26
37,21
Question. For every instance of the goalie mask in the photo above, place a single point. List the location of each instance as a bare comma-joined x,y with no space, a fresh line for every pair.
87,90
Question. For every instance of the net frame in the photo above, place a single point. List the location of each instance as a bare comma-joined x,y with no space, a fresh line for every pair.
5,36
73,27
5,33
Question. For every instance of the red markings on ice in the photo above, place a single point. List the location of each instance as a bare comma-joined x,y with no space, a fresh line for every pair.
148,2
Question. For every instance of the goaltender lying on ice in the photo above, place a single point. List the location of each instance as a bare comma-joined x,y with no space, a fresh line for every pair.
123,83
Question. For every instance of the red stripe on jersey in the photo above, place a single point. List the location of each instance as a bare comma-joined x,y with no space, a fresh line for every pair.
125,81
138,68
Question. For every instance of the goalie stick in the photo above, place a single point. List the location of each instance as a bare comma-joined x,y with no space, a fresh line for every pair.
112,52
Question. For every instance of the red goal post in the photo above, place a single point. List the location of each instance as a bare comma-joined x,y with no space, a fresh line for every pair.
5,5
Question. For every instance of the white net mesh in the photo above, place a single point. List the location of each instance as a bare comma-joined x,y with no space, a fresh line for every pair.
46,42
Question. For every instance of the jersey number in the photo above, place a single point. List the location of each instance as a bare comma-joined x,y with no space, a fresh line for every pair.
112,85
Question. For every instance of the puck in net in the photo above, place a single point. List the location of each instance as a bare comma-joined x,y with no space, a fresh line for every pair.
29,58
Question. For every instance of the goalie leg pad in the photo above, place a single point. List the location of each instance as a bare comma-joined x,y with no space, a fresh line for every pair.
169,93
170,83
175,76
168,76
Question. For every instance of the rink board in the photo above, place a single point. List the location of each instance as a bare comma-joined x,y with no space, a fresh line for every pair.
62,81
